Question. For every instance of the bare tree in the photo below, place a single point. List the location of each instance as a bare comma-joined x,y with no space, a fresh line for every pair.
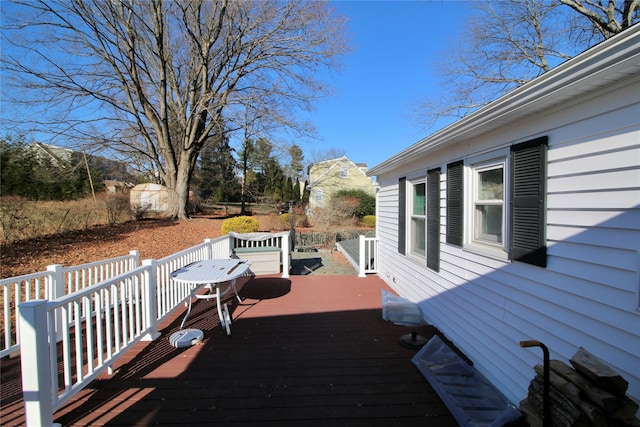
160,78
507,43
609,17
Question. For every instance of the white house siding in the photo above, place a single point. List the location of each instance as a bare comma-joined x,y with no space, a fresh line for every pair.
588,295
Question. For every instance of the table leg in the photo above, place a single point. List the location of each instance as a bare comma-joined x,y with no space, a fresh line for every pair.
188,311
225,317
235,291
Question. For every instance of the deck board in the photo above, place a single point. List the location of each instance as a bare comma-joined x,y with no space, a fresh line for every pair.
312,351
351,250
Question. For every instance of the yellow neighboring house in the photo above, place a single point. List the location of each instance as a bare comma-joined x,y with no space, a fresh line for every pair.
330,176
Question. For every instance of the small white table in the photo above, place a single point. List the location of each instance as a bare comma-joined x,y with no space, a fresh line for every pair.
212,273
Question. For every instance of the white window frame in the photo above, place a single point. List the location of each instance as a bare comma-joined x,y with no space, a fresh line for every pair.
413,218
344,171
319,196
473,167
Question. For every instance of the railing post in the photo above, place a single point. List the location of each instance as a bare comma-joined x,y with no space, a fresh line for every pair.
361,256
285,255
374,254
34,359
58,290
209,243
135,255
150,300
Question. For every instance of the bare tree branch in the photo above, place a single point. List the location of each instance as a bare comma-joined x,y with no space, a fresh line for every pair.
608,17
507,43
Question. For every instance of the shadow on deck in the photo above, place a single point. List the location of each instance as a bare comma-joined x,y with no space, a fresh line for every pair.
312,351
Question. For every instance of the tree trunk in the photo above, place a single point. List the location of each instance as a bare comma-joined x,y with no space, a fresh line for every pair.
181,196
178,182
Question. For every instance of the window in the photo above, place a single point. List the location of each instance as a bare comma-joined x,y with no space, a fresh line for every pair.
496,203
344,171
319,195
418,219
488,223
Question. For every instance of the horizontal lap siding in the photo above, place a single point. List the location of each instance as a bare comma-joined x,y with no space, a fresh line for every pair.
593,235
587,296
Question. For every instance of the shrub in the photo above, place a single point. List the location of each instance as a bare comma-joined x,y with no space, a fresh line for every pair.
240,224
285,219
116,206
299,220
366,205
302,220
340,211
369,220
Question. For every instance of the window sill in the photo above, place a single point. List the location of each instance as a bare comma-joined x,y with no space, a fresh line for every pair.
488,251
417,259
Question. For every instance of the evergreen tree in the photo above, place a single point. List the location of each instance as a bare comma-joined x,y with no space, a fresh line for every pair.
249,178
27,173
296,166
216,175
306,192
296,191
16,164
288,189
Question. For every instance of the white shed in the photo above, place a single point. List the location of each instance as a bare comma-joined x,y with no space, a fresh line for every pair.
153,198
522,221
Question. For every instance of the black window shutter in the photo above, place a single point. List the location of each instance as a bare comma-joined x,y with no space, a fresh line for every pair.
433,219
455,203
528,202
402,214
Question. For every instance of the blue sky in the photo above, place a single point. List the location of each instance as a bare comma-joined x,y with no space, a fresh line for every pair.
396,45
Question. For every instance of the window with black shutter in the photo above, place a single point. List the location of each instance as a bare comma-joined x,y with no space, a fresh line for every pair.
528,202
455,203
402,214
433,219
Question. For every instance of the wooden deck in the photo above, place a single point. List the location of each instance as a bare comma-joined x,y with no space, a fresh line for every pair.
310,351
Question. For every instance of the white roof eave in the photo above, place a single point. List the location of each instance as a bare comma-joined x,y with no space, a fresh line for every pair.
609,61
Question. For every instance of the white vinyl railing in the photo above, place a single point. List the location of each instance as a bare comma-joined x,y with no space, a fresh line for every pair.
56,282
281,240
16,290
103,321
368,254
170,294
109,317
80,276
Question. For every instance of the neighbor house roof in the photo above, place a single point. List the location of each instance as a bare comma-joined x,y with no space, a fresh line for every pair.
360,167
603,64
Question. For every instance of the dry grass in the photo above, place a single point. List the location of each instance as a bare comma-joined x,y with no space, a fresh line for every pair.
21,219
